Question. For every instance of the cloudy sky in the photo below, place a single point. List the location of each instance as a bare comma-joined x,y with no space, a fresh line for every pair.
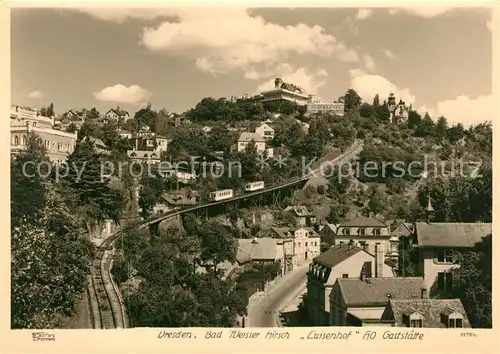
439,59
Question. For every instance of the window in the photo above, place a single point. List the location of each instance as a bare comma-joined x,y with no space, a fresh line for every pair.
455,323
445,281
361,232
345,275
346,231
376,232
16,140
306,244
25,140
34,124
444,255
416,323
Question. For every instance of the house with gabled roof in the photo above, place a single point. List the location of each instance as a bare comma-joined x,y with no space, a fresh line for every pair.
433,245
117,114
265,131
341,261
144,156
305,246
302,215
169,202
367,232
361,301
245,139
426,313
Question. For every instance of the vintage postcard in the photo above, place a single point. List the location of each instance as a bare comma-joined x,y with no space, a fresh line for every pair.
207,177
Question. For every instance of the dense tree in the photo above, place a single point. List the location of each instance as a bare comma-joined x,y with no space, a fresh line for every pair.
414,119
382,112
89,187
441,127
366,110
426,127
49,257
146,117
50,110
455,133
220,139
351,100
93,114
182,296
472,282
376,203
28,186
150,193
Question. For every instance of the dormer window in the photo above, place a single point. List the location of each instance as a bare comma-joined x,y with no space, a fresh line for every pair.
376,232
452,319
346,231
361,232
413,320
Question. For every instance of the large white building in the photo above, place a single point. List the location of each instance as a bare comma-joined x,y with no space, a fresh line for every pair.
24,120
318,105
285,92
288,92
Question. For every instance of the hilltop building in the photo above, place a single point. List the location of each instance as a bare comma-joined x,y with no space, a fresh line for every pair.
284,91
398,111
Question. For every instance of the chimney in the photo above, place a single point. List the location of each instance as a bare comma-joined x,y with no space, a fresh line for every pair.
379,261
423,292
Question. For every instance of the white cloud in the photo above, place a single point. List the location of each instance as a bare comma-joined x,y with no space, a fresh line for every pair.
424,11
35,94
309,81
463,109
223,40
389,54
364,14
368,85
347,55
133,94
120,15
369,62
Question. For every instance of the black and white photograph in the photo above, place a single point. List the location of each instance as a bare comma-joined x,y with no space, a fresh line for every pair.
238,167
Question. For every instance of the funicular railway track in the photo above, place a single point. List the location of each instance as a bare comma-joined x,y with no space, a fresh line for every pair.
106,303
107,307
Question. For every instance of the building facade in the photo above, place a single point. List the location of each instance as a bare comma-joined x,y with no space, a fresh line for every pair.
362,301
316,105
366,233
245,139
399,111
433,245
338,262
303,217
285,92
24,121
265,131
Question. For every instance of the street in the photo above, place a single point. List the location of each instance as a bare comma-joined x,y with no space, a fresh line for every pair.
262,308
